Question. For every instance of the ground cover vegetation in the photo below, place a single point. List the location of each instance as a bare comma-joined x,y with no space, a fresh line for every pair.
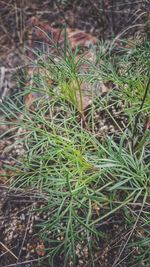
89,160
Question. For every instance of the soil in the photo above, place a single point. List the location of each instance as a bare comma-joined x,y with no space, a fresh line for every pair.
21,246
20,211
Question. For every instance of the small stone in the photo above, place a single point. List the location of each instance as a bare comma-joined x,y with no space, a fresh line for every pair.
27,256
36,218
81,262
104,128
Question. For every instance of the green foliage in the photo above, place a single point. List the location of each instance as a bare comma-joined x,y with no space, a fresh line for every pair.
87,181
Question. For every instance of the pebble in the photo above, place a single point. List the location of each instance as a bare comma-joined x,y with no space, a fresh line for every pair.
36,218
81,262
112,129
27,255
101,124
104,128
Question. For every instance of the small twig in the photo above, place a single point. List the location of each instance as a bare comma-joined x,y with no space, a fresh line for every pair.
117,262
25,234
123,32
5,30
25,262
16,68
8,250
4,253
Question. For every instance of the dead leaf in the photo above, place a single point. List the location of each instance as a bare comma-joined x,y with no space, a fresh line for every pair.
76,37
40,250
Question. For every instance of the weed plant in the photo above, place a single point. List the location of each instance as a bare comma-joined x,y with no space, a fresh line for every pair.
88,181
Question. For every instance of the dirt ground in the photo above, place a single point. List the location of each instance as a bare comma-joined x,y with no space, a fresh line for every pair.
19,211
103,19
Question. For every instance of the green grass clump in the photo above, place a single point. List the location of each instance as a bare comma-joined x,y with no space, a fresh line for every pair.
88,181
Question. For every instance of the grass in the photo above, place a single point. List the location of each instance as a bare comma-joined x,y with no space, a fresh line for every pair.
88,180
